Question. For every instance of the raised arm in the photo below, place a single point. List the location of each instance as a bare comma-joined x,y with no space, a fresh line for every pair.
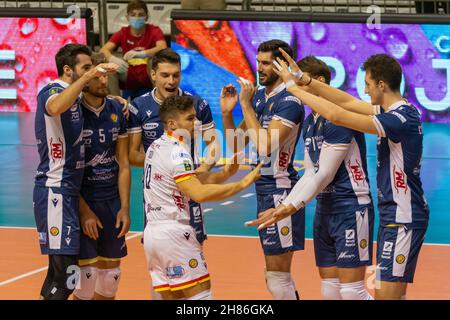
200,192
59,103
339,97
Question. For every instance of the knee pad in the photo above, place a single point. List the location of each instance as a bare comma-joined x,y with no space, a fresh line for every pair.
66,275
86,286
281,285
331,289
355,291
204,295
108,282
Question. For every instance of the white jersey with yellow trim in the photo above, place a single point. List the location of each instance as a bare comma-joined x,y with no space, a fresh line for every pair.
167,162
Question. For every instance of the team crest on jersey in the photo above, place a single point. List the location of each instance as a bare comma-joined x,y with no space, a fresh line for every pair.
363,243
193,263
114,117
285,231
400,259
54,231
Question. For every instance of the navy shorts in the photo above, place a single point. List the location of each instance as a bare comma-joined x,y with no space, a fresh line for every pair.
57,221
287,234
344,240
397,253
107,247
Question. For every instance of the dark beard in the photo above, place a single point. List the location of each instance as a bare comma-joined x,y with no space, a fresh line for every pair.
270,80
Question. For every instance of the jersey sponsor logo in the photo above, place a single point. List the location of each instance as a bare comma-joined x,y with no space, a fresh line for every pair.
357,172
399,180
133,109
202,104
101,159
292,99
174,272
398,115
158,177
267,242
284,160
150,126
114,117
178,199
68,241
150,134
387,250
350,238
57,149
149,113
42,238
196,211
54,231
55,202
87,133
187,235
193,263
345,255
181,155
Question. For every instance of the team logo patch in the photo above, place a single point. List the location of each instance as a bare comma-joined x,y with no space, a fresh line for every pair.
363,243
187,166
193,263
114,117
400,259
54,231
285,231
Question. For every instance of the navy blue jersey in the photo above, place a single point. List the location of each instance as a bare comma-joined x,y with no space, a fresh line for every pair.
59,142
350,186
400,195
280,105
102,128
144,116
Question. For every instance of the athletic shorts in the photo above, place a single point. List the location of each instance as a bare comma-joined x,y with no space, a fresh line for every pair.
287,234
107,247
397,253
344,240
174,256
57,221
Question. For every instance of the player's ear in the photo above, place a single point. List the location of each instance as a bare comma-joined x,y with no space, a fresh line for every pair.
153,75
68,71
321,79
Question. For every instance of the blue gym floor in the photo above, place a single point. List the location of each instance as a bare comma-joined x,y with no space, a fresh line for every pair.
19,158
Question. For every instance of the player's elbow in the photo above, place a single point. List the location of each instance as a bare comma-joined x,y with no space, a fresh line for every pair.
335,115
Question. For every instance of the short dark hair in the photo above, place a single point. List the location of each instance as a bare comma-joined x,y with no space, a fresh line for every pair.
137,4
174,105
165,55
274,46
386,68
97,58
67,56
315,67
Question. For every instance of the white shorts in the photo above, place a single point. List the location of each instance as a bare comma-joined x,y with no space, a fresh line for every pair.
174,256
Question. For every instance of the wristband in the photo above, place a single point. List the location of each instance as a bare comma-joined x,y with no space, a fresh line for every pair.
298,74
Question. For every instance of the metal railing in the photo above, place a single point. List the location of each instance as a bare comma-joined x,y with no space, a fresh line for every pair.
106,23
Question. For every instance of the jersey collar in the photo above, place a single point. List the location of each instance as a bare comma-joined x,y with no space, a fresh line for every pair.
173,136
275,91
97,111
398,104
159,101
61,83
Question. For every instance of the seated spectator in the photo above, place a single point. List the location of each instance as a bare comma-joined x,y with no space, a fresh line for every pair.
139,42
